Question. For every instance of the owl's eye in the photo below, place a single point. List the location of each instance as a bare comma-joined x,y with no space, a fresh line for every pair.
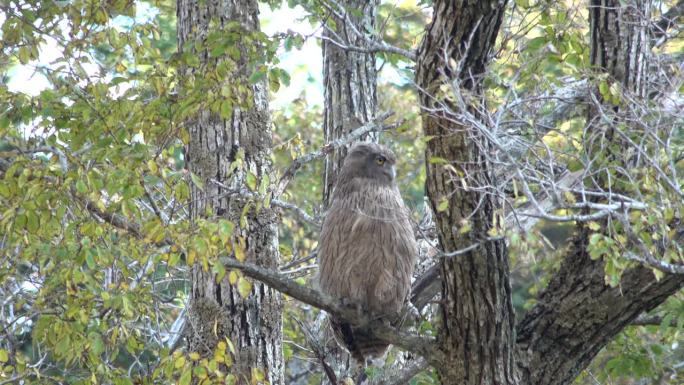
380,160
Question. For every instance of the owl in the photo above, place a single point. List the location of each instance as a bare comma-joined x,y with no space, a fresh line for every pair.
367,248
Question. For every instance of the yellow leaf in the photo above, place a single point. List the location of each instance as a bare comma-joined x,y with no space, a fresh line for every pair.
152,165
192,255
239,248
4,355
594,226
185,378
244,287
257,375
443,205
232,277
231,347
194,356
180,361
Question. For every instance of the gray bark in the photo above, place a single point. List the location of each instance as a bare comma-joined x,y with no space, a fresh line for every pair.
216,310
477,314
350,79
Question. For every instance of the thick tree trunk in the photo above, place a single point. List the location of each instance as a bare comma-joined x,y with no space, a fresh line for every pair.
478,320
350,79
217,311
578,314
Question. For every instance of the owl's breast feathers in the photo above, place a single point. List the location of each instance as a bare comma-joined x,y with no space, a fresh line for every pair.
367,248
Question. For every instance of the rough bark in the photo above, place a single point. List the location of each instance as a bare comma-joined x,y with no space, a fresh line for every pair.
216,310
478,320
578,314
350,80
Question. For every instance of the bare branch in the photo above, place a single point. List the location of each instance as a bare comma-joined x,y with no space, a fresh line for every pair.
405,374
421,345
299,212
376,44
374,47
647,258
655,320
668,20
300,260
565,101
650,261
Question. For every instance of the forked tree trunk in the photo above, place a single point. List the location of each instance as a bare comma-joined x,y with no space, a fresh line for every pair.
577,314
216,310
350,79
477,313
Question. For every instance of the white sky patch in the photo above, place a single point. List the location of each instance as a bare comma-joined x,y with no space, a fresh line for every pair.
28,78
304,66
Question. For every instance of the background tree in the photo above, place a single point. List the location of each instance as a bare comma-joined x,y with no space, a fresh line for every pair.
229,152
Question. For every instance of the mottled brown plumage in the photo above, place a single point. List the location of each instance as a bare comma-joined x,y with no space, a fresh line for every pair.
367,248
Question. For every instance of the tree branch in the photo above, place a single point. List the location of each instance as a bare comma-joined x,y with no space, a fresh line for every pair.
421,345
578,313
403,375
655,320
376,45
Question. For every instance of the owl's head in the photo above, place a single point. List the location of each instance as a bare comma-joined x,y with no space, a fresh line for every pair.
370,160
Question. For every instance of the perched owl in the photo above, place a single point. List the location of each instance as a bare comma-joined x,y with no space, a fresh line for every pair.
367,248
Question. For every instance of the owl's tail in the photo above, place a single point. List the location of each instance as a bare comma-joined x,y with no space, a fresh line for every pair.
358,341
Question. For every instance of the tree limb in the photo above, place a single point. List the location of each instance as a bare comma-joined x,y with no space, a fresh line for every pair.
376,45
578,313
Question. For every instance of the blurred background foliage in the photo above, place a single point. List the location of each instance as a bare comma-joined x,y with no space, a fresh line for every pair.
92,134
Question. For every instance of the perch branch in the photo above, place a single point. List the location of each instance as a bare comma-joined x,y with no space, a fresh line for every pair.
423,346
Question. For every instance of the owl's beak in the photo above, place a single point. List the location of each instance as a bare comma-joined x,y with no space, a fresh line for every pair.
393,172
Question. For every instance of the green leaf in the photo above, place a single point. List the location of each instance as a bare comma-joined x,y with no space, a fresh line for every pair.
197,181
226,109
443,205
24,55
186,377
81,186
32,221
257,75
96,344
4,355
251,181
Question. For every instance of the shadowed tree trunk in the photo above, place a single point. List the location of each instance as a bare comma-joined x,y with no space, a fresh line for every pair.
217,310
350,79
477,314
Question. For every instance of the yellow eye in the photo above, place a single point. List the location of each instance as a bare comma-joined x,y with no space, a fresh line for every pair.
380,160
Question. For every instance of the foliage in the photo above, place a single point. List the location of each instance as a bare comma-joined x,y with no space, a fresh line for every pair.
95,238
